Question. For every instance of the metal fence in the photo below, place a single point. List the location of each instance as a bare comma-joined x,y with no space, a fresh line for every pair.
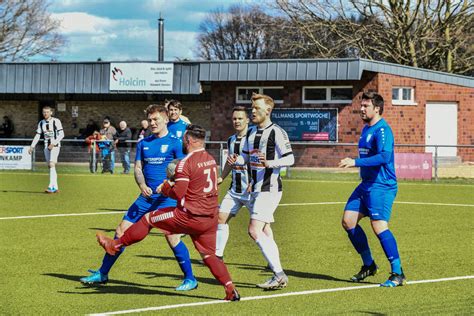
311,155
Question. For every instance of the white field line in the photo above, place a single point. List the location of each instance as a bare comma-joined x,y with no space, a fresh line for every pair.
399,183
286,180
60,215
283,204
263,297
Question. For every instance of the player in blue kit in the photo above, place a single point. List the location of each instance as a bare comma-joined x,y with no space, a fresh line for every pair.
375,195
153,155
176,125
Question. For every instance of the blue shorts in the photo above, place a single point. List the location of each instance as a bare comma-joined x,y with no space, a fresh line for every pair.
373,200
143,205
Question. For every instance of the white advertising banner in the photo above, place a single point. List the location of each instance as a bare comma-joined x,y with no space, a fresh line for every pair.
141,77
15,157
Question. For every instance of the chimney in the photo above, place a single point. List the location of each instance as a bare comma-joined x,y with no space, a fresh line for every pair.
161,41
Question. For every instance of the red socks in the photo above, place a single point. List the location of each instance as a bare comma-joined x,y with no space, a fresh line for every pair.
135,233
218,270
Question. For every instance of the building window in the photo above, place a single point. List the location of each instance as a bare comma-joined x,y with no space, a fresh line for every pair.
403,96
333,94
244,94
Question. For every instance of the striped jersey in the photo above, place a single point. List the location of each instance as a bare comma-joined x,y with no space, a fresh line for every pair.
273,141
51,130
240,175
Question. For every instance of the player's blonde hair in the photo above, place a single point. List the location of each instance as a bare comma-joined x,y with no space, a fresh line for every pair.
266,99
152,108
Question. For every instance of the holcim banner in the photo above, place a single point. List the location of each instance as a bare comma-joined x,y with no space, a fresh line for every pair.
15,157
141,77
414,166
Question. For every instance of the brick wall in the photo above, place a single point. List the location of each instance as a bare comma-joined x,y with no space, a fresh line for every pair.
408,122
24,114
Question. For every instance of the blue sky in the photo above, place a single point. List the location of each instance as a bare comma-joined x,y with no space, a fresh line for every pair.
120,30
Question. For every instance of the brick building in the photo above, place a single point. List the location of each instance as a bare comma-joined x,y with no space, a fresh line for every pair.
422,106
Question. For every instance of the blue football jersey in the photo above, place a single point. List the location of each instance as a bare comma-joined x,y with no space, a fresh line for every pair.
376,154
177,128
155,153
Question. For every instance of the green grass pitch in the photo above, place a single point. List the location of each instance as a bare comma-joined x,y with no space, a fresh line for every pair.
42,259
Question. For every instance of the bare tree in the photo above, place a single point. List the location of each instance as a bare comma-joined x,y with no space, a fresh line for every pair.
422,33
27,29
242,32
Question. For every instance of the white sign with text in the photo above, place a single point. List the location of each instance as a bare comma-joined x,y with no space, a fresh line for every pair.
15,157
141,76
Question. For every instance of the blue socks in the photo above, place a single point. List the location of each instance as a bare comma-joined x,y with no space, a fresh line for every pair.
109,260
389,245
359,241
181,254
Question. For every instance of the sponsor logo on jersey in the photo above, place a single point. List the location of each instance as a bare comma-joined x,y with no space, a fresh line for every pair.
146,148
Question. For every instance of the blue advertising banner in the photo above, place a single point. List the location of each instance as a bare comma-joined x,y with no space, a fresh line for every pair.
307,124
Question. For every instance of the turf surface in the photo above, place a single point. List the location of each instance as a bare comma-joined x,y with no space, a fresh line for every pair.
42,259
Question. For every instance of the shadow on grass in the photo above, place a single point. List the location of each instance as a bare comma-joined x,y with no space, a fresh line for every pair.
110,230
293,273
22,191
121,287
118,210
196,263
164,258
245,266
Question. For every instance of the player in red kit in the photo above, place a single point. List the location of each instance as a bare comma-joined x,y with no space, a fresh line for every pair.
195,189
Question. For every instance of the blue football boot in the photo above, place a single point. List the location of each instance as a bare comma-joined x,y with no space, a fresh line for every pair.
95,278
188,285
394,280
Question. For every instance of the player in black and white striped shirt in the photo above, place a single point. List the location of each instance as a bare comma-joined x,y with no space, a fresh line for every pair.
237,196
52,131
267,150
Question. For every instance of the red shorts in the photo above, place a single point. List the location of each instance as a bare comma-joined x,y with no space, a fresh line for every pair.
201,229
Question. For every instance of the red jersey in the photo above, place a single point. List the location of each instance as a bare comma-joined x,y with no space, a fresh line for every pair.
195,186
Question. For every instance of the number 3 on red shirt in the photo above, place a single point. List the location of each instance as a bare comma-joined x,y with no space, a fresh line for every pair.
212,182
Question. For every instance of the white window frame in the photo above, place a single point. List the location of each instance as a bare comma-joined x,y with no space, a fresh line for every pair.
400,93
260,90
328,95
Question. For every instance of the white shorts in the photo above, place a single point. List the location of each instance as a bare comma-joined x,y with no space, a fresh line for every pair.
263,205
51,155
232,203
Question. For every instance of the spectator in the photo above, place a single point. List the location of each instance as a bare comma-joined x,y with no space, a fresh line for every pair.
122,142
91,127
93,154
7,127
144,131
107,146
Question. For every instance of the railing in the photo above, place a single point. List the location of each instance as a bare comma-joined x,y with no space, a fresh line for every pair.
307,154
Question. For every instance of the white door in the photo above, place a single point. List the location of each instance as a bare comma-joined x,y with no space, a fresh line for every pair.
442,128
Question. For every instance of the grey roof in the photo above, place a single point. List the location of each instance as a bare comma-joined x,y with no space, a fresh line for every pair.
93,77
82,78
317,69
280,70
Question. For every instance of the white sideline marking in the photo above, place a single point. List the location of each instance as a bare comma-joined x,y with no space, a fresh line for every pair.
59,215
289,180
263,297
399,183
283,204
396,202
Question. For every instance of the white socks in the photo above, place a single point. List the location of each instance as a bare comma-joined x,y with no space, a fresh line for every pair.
53,178
270,251
221,238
